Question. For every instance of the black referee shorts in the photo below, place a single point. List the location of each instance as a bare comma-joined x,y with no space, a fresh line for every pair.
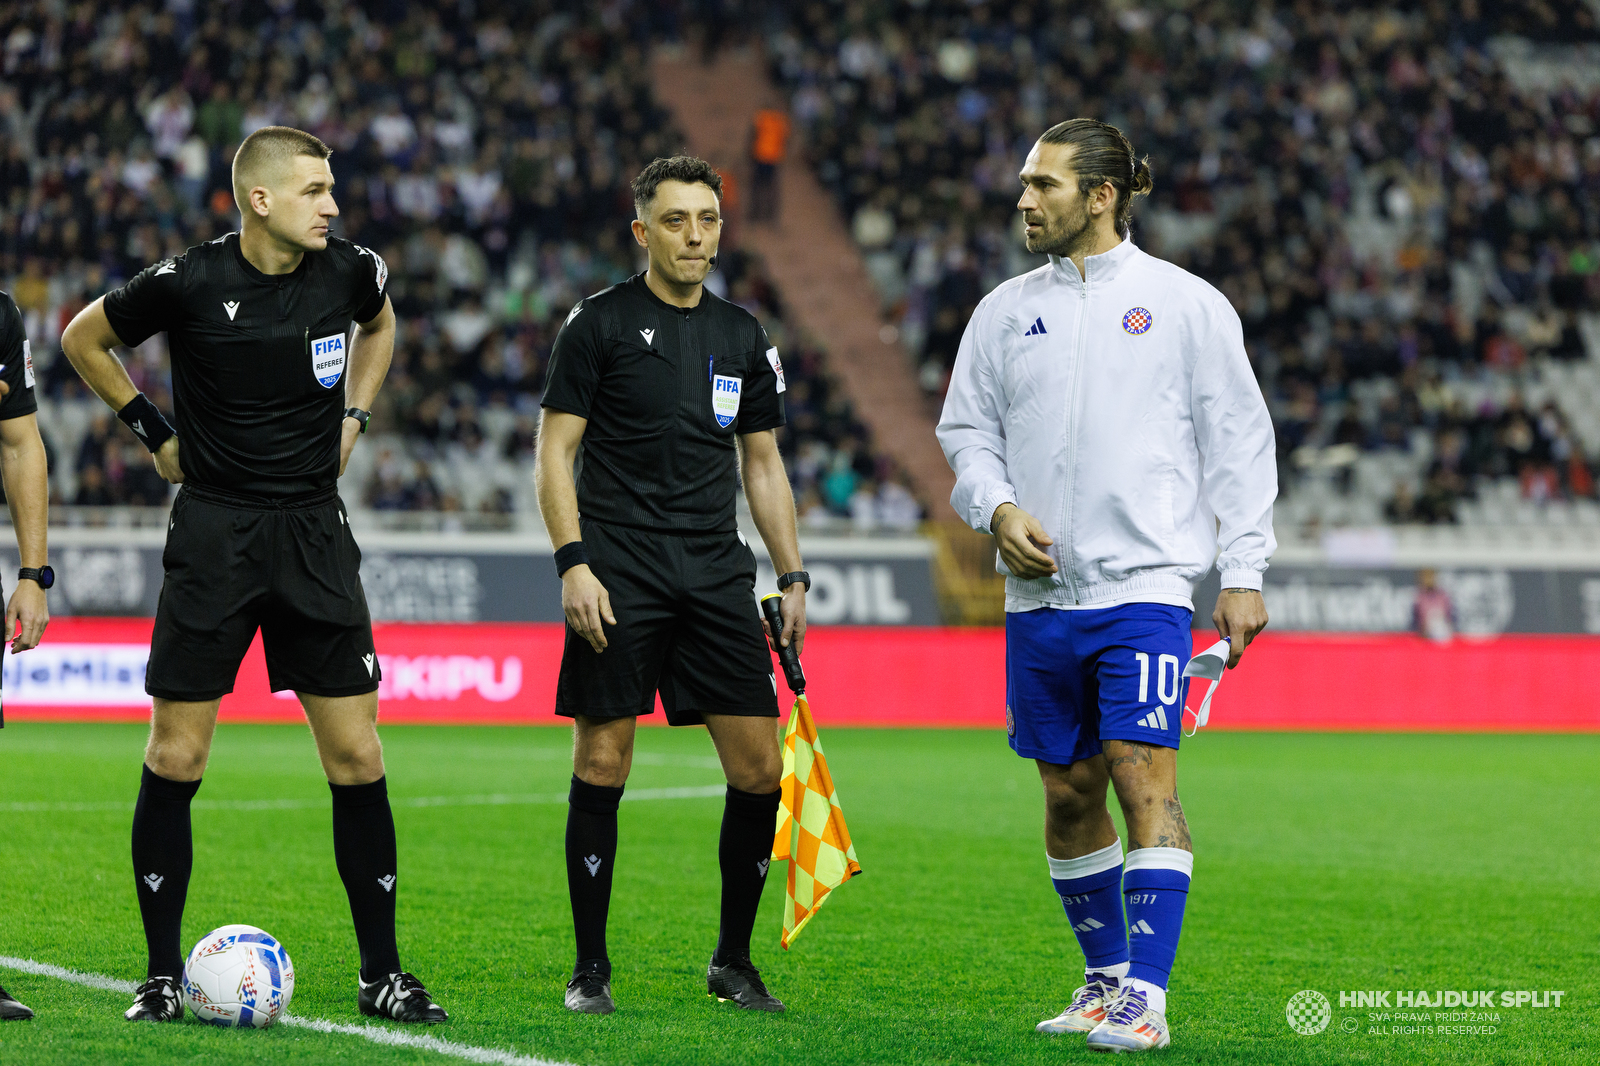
235,565
687,626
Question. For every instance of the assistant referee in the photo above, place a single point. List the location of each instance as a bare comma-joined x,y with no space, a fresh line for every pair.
270,391
672,394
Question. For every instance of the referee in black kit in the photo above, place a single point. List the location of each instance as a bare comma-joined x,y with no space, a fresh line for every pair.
26,472
672,394
270,390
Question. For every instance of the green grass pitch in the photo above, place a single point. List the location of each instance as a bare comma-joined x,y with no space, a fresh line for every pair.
1326,862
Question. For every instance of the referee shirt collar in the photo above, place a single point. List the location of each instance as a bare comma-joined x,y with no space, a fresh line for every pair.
643,288
255,275
1100,268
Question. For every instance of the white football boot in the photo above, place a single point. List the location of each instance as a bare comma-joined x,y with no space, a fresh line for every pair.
1087,1009
1131,1024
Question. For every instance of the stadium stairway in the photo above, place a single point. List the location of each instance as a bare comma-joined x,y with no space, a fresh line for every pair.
809,254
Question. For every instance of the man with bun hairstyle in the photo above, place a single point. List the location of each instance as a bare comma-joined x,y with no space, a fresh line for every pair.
1104,424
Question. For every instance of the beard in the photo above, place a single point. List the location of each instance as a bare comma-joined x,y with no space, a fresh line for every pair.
1067,236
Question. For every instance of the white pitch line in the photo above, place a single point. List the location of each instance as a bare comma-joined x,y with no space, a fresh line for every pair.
421,1042
375,1034
498,799
61,973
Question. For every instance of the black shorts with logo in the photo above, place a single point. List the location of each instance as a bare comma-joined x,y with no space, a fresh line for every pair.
290,568
688,626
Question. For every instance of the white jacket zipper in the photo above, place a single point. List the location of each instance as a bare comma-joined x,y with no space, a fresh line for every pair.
1071,555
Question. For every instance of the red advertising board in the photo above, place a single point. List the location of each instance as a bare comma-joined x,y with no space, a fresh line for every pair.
878,676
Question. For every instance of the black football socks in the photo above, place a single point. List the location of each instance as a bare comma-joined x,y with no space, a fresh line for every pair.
163,855
744,852
591,854
364,850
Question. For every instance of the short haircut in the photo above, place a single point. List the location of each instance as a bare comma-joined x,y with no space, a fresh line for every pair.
1100,154
691,170
267,154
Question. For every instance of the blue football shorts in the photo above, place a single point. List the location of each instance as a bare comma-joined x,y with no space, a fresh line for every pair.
1075,679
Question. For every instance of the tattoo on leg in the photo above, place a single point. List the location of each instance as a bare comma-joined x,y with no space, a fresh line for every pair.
1179,822
1174,834
1135,754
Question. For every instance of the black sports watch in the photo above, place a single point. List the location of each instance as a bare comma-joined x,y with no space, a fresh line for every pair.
785,580
359,415
45,576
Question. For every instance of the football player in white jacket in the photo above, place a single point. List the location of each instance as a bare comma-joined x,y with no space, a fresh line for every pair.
1104,423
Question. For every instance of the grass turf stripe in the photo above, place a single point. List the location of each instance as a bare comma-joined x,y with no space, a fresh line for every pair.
376,1035
499,799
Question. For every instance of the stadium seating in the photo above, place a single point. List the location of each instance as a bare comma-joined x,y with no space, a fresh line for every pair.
1402,201
488,161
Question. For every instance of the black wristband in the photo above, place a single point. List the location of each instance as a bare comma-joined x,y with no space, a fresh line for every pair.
147,422
785,580
570,555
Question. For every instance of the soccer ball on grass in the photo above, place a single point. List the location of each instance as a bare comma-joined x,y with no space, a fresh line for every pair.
239,977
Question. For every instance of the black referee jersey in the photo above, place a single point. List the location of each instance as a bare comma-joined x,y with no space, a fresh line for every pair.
665,390
258,360
17,359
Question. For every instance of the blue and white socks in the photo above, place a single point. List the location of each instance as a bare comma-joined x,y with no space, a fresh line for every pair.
1137,950
1090,887
1155,882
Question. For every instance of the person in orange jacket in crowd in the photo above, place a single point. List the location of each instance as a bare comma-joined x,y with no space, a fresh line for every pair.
769,145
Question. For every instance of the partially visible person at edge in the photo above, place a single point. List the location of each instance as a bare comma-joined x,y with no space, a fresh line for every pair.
25,470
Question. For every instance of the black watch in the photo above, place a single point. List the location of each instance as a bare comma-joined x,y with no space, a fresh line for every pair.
359,415
44,576
790,578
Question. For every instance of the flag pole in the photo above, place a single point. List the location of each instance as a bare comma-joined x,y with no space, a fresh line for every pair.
811,832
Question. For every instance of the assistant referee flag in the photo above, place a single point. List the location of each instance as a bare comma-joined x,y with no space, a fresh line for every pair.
811,830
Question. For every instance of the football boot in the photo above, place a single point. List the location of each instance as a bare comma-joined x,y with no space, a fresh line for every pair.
399,996
740,982
157,1000
1087,1009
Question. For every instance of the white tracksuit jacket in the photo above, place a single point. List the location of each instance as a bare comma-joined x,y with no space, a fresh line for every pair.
1119,410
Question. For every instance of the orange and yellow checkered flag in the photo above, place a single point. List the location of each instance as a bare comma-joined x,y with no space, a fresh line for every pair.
811,830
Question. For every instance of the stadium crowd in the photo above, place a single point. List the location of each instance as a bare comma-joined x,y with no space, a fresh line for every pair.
1412,242
487,158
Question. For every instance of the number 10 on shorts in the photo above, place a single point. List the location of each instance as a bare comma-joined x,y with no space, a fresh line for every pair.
1162,663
